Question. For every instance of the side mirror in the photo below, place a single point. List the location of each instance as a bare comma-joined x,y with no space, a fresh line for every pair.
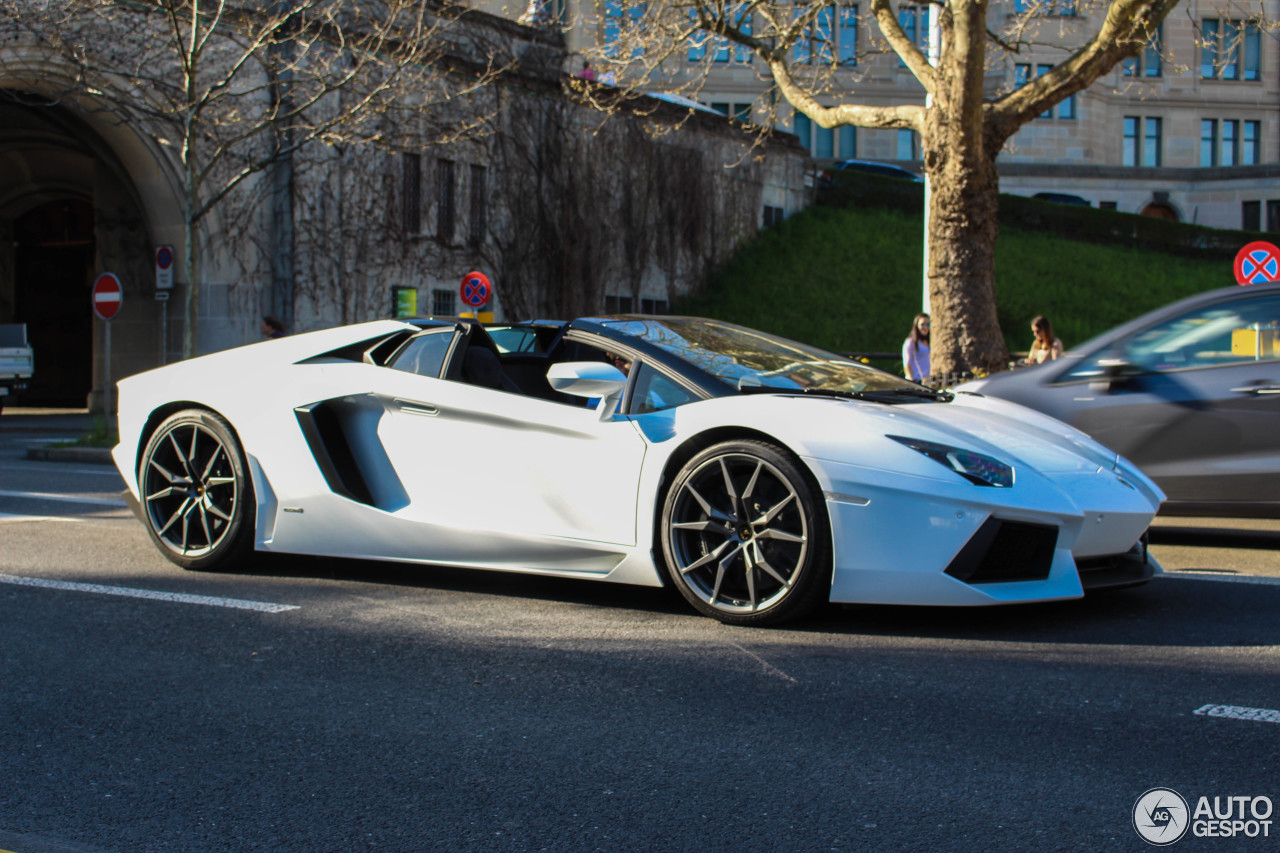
1116,372
590,379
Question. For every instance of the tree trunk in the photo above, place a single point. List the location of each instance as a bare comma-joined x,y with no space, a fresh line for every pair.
964,192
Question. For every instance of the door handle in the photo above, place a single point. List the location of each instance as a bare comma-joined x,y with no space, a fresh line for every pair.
409,407
1258,390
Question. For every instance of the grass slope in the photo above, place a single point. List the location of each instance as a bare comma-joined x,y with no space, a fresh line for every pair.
850,280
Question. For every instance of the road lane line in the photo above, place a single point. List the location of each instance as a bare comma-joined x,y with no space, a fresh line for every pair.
74,499
1217,576
12,518
182,598
1236,712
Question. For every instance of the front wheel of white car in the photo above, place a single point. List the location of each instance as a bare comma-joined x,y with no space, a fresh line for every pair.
196,498
744,535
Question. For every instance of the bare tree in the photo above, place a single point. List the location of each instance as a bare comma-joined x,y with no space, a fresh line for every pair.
962,126
232,89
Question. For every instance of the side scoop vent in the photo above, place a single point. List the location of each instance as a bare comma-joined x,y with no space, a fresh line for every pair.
328,444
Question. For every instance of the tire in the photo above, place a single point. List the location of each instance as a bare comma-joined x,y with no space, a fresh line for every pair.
197,501
731,567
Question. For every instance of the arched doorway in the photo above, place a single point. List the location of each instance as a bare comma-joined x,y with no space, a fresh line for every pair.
52,261
1160,210
69,210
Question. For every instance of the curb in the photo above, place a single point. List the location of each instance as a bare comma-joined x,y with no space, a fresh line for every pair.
95,455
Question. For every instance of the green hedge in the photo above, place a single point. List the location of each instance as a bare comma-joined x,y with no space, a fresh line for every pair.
1075,222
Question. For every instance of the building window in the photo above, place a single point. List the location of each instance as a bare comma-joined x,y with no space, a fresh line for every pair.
847,37
479,213
617,304
1057,8
1251,144
824,42
722,49
1208,142
444,302
444,200
914,21
824,142
653,306
1149,63
1251,215
803,129
1151,142
772,216
1142,141
737,111
411,190
1108,205
621,20
848,138
1273,214
1230,143
1230,49
1022,76
1221,142
908,148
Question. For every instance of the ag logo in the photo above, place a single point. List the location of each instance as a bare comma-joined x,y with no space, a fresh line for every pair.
1161,816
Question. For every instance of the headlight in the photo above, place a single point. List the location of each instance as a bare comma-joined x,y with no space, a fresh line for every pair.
977,468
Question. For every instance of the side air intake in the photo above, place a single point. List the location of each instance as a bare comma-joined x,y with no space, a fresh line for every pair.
1006,551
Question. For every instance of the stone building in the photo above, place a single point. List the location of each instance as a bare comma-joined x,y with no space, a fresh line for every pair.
1189,130
567,209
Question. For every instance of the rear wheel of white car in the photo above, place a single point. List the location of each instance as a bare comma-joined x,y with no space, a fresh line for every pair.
196,498
744,535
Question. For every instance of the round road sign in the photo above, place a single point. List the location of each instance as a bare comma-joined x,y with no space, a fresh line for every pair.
107,295
1258,263
476,290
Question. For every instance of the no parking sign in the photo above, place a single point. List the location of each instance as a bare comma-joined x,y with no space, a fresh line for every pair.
1258,263
476,291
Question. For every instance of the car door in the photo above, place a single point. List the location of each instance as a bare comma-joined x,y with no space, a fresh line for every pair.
504,479
1194,401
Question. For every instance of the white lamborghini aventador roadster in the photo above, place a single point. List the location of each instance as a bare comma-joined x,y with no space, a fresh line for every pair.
757,475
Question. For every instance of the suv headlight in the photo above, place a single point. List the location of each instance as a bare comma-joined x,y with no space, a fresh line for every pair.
977,468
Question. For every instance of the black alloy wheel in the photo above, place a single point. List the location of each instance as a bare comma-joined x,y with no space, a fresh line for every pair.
197,500
744,536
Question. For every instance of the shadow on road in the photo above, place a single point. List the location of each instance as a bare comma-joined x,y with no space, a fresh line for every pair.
1169,611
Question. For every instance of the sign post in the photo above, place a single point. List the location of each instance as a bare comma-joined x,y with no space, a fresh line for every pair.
164,284
107,296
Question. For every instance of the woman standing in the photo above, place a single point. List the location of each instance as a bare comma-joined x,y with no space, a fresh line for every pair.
915,349
1045,347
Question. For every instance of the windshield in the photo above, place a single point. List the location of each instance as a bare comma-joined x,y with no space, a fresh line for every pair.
745,358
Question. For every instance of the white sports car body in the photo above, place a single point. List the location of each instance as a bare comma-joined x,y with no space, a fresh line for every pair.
758,475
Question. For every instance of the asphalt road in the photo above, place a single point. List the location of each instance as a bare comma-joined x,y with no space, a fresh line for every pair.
396,708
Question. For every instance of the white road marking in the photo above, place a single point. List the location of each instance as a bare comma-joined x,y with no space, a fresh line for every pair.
183,598
1218,576
1235,712
74,499
11,518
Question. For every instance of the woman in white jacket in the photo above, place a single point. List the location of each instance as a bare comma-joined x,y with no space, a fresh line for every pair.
915,349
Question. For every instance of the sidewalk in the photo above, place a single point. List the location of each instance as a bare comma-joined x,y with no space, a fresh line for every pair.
45,426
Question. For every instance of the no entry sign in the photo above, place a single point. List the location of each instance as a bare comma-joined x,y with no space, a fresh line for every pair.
475,290
1258,263
107,295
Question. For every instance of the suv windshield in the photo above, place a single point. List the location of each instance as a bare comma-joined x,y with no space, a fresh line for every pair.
745,358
